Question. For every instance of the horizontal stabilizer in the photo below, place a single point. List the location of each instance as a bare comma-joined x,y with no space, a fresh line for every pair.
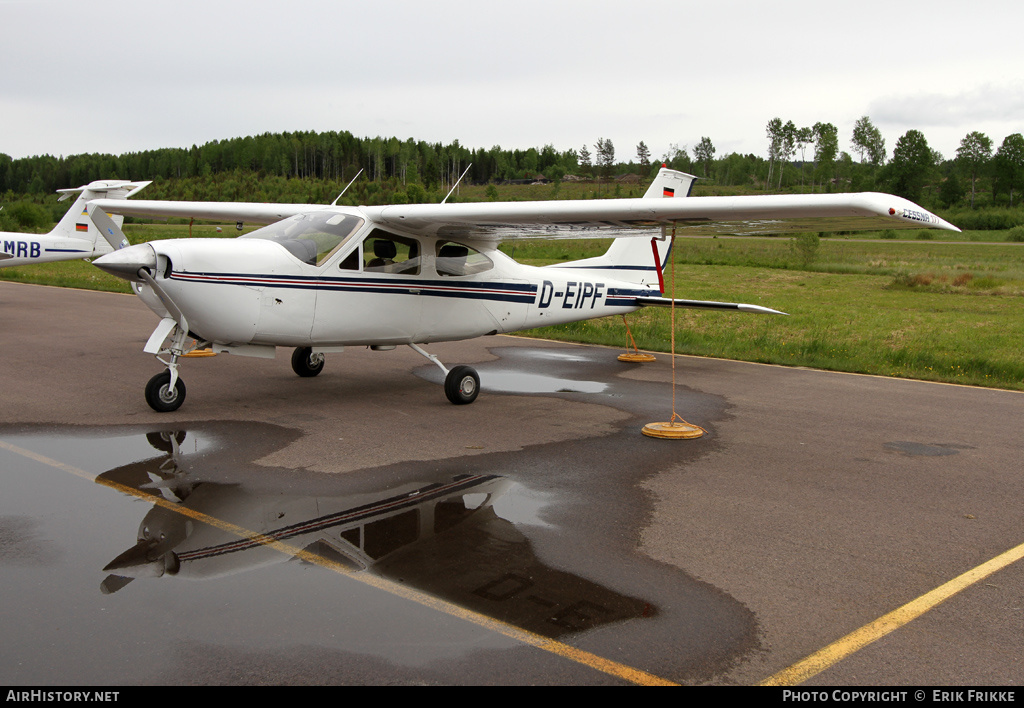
109,188
705,305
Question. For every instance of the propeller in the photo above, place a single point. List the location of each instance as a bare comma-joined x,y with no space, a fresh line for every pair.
111,231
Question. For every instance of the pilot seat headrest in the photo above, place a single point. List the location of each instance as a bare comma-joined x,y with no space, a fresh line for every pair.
384,249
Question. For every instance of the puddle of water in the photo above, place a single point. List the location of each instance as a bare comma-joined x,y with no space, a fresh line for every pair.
524,506
913,449
522,378
557,355
520,382
117,559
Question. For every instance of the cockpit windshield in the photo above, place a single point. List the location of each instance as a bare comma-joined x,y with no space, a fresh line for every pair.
312,238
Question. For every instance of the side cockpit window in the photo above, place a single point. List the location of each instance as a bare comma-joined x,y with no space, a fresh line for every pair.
387,253
454,259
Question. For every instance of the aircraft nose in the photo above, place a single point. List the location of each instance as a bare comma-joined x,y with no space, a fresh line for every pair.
127,262
146,559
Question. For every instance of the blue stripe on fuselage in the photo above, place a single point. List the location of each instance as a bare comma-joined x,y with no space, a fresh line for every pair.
505,292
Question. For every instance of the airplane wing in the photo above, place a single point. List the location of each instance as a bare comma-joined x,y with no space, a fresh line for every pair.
598,218
693,216
213,211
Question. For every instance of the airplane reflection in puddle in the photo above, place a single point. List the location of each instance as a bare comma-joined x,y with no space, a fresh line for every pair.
442,537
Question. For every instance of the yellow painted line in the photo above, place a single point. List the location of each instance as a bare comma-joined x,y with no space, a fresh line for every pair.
857,640
552,646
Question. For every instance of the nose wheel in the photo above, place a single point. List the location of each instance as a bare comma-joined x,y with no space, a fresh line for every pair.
162,396
165,392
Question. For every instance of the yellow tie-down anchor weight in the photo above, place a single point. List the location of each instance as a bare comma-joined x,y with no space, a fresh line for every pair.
673,429
676,428
636,356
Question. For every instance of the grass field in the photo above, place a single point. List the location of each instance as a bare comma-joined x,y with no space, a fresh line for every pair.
919,308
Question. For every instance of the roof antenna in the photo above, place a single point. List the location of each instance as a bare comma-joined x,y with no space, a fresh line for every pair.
457,182
335,202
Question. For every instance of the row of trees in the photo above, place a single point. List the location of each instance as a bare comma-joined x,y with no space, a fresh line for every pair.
798,158
913,167
336,156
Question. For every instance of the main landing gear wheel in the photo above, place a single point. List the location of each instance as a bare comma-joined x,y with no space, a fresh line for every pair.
305,363
161,397
461,385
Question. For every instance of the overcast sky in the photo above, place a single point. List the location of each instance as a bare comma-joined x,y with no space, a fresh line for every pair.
81,77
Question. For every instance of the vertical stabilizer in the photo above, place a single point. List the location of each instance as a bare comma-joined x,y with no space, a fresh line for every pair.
76,222
670,183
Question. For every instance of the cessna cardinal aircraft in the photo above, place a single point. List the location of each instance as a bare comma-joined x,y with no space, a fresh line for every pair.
75,236
321,278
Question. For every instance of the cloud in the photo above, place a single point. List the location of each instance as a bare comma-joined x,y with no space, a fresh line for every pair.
161,74
985,104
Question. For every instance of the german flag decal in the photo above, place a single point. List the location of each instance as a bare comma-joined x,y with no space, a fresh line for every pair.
668,192
82,227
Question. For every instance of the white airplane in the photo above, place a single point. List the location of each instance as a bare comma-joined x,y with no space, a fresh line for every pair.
75,235
322,278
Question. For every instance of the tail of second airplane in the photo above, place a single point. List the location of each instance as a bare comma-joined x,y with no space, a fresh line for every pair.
670,183
76,222
636,259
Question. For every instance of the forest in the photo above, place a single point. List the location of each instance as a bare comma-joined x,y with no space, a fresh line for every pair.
980,185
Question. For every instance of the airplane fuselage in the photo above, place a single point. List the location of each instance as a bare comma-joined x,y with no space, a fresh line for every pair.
29,249
271,298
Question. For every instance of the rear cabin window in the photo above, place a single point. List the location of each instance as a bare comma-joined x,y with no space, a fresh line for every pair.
454,259
384,252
